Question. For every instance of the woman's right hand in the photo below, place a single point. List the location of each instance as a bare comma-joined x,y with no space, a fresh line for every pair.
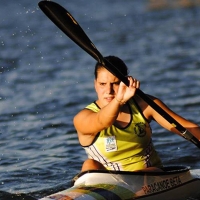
126,92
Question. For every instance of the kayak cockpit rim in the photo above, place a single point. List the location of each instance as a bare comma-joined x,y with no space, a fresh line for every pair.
166,171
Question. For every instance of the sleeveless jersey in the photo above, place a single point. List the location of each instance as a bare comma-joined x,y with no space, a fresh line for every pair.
125,149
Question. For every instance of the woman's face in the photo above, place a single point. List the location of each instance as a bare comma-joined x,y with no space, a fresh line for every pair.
106,86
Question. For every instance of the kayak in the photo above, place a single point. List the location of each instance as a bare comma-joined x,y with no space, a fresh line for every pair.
173,183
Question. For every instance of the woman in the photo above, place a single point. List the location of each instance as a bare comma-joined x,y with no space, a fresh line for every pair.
114,130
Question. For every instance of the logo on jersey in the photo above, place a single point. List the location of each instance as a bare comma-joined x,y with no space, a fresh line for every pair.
140,129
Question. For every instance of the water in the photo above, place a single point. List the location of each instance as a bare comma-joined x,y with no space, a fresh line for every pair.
45,79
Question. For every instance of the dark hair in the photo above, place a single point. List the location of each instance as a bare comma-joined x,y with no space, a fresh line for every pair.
117,62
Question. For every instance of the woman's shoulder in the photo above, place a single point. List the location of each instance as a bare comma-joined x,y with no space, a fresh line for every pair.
93,106
145,108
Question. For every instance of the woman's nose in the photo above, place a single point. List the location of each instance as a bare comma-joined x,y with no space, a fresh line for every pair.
109,89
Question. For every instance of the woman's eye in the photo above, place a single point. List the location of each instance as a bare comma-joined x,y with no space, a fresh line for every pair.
117,83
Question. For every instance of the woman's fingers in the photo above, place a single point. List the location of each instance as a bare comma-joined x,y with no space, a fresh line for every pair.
133,82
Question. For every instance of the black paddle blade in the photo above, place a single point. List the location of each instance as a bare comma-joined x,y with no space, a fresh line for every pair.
65,22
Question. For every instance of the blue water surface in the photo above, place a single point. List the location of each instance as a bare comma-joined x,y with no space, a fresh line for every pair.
45,79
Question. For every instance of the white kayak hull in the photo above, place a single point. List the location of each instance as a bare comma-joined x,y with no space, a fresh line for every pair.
175,183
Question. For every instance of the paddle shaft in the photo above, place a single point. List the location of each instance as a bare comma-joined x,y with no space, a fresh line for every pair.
65,21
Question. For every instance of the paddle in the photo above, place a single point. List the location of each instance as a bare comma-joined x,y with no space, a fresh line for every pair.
65,21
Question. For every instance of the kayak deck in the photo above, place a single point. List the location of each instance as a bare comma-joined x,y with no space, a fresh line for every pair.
173,183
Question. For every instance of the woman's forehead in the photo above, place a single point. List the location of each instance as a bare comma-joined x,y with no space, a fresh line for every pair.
105,74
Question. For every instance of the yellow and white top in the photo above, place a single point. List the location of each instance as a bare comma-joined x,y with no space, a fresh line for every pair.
125,149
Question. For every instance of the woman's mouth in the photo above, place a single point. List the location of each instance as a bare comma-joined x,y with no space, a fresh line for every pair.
109,99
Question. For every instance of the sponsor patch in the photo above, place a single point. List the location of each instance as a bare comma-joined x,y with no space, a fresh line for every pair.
110,144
